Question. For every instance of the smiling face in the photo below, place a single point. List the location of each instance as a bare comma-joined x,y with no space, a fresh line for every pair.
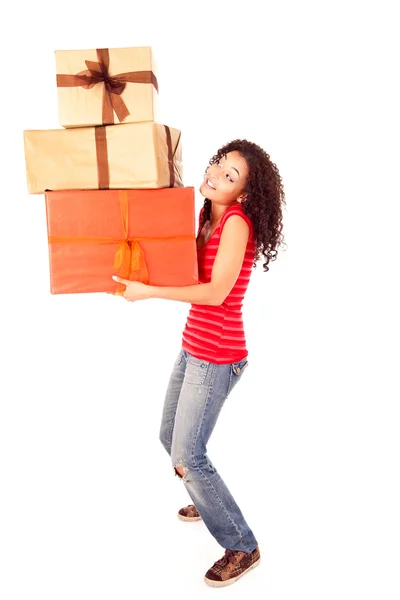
225,180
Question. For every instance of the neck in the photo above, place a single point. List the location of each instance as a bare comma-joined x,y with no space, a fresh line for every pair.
217,211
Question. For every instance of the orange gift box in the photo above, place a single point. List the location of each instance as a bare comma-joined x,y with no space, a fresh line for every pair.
141,235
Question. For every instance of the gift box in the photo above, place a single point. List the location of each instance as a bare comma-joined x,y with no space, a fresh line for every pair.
106,86
130,156
141,235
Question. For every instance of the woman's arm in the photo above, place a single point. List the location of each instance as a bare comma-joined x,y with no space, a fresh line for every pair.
227,265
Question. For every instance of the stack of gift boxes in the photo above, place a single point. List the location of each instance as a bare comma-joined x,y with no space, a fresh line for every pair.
112,178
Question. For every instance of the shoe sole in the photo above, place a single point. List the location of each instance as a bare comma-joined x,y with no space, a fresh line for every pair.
182,518
233,580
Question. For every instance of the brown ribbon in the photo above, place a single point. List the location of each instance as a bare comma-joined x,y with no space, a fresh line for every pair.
103,169
170,156
114,85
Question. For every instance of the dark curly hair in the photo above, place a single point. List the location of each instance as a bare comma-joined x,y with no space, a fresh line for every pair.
265,198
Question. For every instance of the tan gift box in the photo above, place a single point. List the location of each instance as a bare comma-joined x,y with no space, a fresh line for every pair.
131,156
106,86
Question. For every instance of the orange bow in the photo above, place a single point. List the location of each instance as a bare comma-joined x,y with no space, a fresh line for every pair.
129,256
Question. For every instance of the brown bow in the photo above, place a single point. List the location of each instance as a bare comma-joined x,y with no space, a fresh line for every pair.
114,85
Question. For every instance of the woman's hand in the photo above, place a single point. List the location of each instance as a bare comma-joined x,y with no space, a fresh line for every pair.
135,290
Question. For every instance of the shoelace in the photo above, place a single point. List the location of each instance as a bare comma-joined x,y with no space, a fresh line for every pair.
229,556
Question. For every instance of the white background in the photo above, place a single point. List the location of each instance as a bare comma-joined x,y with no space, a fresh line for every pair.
309,441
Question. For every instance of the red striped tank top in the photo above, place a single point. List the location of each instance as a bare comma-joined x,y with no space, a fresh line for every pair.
216,333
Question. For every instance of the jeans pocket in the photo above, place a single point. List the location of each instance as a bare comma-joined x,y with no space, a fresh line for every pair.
196,370
237,370
240,366
179,358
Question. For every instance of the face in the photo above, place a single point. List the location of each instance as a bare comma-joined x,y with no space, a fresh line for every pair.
224,181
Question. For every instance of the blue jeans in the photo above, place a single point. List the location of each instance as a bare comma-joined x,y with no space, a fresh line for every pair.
195,395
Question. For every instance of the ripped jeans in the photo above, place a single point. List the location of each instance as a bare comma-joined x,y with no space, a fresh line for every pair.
195,395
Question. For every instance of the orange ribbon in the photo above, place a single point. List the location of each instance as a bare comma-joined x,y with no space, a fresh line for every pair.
114,85
129,257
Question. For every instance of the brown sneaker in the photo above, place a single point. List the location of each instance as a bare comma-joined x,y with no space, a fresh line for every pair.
231,567
189,513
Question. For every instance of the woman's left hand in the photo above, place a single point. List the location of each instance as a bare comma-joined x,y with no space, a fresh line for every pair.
135,290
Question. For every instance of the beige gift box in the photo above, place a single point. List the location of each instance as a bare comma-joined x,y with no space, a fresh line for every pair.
130,156
106,86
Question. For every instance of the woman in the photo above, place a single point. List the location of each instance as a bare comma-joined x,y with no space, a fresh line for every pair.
241,218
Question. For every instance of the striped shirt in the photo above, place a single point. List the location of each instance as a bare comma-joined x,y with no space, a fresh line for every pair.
216,333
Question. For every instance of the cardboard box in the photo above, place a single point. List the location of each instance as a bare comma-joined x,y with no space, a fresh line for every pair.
141,235
106,86
131,156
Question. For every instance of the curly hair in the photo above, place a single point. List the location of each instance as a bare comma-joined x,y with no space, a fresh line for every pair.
264,201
